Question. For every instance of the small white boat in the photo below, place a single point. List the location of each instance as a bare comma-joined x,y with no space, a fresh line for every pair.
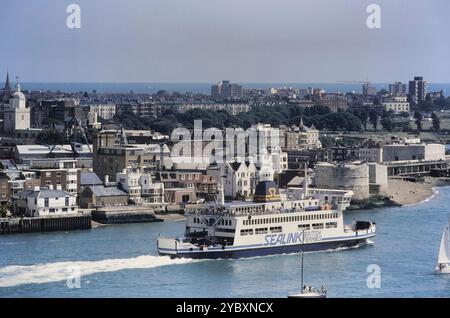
308,291
443,265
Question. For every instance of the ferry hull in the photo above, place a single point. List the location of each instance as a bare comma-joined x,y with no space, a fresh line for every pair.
265,251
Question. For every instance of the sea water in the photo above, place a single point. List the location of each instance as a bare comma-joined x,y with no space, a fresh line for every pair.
121,261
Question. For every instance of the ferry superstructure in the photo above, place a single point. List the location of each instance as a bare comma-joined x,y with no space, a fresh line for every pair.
273,223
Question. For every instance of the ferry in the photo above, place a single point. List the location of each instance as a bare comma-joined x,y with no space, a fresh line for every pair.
302,219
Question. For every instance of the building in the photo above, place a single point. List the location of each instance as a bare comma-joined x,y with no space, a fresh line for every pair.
371,154
105,111
102,196
397,104
108,161
16,114
204,184
87,178
143,109
56,173
231,108
44,202
226,90
239,178
405,152
140,187
397,89
301,137
180,195
334,102
56,113
418,89
5,188
24,154
368,90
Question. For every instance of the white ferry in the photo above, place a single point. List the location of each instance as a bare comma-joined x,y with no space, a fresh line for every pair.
273,223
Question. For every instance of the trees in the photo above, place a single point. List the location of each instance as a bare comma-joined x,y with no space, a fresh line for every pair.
436,121
373,118
386,121
418,116
363,116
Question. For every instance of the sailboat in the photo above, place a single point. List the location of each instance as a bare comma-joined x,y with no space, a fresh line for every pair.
308,291
443,265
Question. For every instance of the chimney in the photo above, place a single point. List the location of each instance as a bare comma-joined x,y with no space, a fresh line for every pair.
58,187
106,180
50,186
37,188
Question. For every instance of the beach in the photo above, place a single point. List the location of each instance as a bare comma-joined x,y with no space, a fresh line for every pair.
408,193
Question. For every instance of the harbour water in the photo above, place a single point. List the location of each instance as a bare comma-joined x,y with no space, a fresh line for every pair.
121,261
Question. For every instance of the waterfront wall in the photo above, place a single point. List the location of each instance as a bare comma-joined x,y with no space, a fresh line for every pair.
45,224
125,214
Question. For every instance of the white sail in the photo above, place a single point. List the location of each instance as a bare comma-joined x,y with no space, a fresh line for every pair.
444,250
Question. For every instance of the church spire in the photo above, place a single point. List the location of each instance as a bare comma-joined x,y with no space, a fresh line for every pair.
7,84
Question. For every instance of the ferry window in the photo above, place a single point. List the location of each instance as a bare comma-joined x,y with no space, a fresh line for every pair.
261,231
303,226
317,226
247,232
330,225
275,229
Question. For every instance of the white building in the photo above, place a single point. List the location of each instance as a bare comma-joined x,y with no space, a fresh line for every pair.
16,115
105,111
397,104
140,187
231,108
239,177
44,202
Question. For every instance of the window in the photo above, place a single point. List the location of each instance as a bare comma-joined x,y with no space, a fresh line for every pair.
247,232
275,229
330,225
303,226
317,226
46,202
261,230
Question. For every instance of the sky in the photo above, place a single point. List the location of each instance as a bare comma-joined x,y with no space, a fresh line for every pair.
253,41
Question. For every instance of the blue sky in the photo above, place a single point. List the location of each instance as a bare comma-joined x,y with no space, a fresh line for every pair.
210,40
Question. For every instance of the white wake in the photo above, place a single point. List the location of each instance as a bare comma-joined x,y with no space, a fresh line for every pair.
15,275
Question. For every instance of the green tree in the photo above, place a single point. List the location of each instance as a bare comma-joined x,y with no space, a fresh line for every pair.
436,121
373,118
418,116
387,123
